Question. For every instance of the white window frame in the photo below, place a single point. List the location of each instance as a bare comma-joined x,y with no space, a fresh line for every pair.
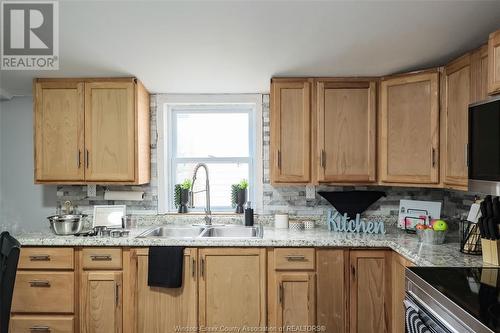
167,104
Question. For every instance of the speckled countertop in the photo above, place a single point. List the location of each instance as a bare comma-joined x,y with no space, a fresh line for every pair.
407,245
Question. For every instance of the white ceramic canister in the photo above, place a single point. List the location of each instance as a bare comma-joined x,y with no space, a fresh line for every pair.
281,221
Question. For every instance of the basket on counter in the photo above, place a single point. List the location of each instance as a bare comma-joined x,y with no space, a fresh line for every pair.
429,236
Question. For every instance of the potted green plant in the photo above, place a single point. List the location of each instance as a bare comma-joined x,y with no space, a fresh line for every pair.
182,196
239,195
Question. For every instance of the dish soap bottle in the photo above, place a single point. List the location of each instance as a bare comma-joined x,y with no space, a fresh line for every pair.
249,215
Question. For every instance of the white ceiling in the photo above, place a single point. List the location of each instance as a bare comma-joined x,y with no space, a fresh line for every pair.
235,47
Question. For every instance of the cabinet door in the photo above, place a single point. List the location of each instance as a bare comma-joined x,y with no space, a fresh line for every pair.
494,63
346,129
455,122
332,289
370,290
162,309
290,131
296,300
479,74
59,129
398,268
409,129
110,131
101,302
232,287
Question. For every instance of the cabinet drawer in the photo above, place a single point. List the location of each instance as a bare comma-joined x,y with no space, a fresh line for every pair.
46,258
42,324
294,258
101,258
44,292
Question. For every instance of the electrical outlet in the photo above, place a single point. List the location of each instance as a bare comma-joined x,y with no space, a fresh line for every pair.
310,192
91,191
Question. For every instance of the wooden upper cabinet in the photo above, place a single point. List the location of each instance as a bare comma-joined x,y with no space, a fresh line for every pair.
409,128
59,137
370,291
455,121
494,63
232,287
154,303
290,131
346,131
479,74
110,131
92,131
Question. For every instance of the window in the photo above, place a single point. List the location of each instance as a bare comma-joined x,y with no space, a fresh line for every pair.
221,135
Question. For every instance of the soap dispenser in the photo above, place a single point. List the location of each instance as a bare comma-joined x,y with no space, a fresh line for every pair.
249,215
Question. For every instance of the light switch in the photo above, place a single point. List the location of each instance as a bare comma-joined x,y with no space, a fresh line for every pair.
91,191
310,192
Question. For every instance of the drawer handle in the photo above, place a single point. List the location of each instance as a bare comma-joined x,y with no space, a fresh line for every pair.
101,257
295,258
38,328
39,283
41,257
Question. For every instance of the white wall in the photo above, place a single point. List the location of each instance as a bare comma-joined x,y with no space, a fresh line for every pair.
23,205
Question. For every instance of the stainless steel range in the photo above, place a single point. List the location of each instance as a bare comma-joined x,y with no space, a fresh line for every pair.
448,299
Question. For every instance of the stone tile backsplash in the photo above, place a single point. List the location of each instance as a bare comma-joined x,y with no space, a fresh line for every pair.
275,199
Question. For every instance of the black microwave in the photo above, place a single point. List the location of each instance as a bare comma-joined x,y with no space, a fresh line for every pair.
484,147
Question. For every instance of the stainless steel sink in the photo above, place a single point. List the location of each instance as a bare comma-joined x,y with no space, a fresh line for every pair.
173,232
233,232
201,231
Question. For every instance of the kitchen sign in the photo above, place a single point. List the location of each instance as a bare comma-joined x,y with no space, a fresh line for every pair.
341,223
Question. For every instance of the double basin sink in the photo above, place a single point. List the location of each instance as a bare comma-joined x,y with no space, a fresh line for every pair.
209,232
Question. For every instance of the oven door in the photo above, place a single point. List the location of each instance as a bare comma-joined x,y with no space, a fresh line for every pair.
419,320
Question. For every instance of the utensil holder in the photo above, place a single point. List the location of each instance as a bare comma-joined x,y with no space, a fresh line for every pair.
470,238
491,251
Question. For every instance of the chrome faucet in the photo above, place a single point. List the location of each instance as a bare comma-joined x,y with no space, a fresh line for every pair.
208,212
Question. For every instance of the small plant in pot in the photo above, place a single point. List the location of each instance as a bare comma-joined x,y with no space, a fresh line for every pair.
182,196
239,196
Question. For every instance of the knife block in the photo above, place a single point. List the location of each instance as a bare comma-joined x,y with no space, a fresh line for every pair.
491,251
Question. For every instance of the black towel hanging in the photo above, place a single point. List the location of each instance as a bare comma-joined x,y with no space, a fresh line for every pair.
165,266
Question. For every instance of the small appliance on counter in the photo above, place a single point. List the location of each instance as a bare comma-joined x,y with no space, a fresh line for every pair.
452,299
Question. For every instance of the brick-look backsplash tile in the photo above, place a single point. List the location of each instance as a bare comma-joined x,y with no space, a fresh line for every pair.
275,199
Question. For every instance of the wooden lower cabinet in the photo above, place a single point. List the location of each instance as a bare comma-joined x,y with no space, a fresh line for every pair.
370,283
296,300
232,287
161,310
398,268
332,289
41,323
101,302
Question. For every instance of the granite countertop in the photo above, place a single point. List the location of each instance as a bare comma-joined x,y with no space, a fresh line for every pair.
407,245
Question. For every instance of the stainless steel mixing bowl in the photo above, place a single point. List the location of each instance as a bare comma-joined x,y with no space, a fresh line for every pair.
66,224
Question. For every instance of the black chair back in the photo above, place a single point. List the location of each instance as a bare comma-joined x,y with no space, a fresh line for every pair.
9,256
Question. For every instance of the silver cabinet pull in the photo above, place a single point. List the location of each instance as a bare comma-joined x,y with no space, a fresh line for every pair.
295,258
117,294
466,155
101,257
41,257
193,267
433,157
39,328
87,158
39,283
202,267
280,293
